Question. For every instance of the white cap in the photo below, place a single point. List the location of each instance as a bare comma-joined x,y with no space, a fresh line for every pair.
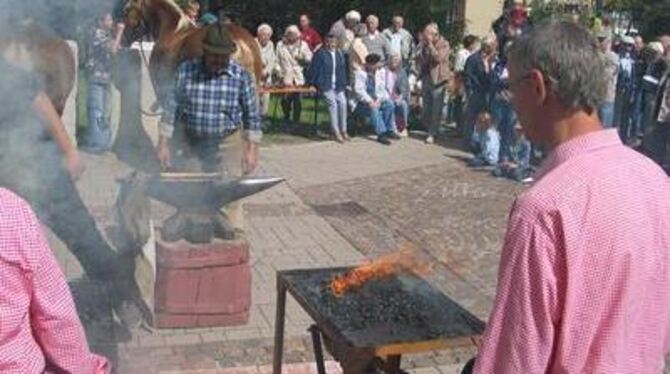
628,40
352,15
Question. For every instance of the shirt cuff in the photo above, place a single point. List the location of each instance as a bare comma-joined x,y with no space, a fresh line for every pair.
253,136
165,129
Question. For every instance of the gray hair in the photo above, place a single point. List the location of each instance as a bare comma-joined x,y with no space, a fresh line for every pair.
372,18
567,55
353,15
264,28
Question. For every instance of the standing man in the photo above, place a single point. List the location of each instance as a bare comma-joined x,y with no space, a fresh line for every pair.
102,45
432,61
478,83
328,72
400,40
375,41
293,56
606,109
658,136
343,29
584,278
308,34
373,100
215,113
270,68
625,92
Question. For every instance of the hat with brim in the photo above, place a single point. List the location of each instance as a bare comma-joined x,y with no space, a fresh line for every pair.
218,40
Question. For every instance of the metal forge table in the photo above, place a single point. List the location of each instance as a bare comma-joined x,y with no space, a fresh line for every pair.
372,327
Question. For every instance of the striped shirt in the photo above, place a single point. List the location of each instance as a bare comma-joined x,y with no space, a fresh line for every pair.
213,105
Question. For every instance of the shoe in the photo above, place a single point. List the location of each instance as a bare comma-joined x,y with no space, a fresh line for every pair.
430,139
346,137
527,180
384,140
339,139
404,133
393,135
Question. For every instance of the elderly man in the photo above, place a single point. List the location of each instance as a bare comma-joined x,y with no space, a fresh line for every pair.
373,100
328,73
41,331
308,34
375,42
294,56
432,61
214,108
584,278
270,67
478,80
343,29
400,40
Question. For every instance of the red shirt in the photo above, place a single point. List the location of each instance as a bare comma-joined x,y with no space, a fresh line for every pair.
40,331
311,37
584,278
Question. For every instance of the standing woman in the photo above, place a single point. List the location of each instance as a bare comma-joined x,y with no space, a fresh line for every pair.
293,55
269,58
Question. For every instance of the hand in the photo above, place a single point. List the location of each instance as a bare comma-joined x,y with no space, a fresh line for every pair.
163,154
250,159
74,165
120,27
375,104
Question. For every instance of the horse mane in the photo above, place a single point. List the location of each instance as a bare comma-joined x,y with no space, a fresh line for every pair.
171,6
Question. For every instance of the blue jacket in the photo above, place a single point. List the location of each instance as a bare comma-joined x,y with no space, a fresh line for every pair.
320,72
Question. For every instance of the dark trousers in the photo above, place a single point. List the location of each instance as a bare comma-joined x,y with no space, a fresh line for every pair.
477,103
655,141
40,179
291,104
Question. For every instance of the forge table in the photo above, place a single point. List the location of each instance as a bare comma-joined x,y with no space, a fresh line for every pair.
375,324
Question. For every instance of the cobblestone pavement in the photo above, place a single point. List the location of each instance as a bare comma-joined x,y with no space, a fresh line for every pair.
341,204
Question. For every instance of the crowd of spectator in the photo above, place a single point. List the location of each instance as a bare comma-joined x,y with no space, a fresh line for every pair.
368,75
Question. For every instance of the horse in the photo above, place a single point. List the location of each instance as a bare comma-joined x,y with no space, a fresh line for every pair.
177,39
38,50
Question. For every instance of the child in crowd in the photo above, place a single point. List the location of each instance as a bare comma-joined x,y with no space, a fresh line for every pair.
485,142
518,168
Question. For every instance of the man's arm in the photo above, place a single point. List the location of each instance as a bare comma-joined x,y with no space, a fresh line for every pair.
47,113
360,88
519,336
169,118
251,119
53,317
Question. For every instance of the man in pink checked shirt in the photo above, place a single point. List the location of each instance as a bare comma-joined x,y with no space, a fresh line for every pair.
39,328
584,278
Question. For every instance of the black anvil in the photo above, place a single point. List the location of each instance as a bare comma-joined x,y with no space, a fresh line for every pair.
199,199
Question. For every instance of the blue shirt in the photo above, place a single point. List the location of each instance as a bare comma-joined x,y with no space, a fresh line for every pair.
213,105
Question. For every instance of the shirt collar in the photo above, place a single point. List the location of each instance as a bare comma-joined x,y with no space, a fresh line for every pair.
228,70
578,146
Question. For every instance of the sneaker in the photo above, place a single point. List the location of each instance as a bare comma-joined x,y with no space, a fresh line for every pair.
527,180
339,139
384,140
346,137
393,135
430,139
404,133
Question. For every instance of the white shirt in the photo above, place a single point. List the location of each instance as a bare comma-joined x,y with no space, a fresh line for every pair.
334,78
396,43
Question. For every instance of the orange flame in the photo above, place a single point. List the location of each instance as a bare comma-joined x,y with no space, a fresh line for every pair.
382,267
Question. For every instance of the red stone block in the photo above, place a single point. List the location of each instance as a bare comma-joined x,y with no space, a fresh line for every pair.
202,285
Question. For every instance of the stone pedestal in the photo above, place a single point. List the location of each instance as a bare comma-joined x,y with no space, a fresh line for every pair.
187,285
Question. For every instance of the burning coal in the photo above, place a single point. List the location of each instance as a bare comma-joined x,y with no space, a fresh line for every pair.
383,267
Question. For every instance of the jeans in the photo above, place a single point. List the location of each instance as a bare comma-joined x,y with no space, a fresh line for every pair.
505,117
401,114
606,114
291,104
337,109
433,104
381,118
655,141
98,103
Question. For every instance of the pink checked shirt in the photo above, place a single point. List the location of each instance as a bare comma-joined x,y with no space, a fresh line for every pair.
584,280
39,328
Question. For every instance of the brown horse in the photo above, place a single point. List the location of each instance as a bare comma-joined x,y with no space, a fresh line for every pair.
38,50
178,39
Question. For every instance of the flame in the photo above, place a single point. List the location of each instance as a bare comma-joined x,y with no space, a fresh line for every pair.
383,267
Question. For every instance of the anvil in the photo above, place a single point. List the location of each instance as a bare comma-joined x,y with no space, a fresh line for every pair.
199,199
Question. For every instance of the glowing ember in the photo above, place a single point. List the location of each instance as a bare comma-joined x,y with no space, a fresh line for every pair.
383,267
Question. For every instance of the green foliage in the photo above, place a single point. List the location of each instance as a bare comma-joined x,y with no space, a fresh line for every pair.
652,17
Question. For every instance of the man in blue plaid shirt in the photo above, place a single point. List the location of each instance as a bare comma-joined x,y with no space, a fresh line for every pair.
212,107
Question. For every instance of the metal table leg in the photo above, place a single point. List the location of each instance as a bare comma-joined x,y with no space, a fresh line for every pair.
393,364
279,327
318,349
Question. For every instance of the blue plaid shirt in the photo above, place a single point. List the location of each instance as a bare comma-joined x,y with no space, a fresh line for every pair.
213,105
